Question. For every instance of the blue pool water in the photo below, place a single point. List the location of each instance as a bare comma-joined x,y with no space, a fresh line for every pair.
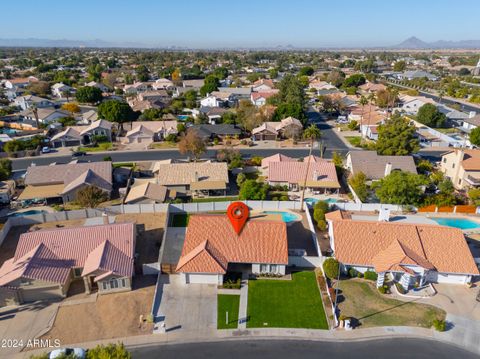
286,216
312,201
26,213
461,223
182,117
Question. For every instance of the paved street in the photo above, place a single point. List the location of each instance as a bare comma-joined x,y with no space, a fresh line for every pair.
279,349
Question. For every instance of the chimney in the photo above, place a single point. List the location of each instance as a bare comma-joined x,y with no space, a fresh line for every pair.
195,176
472,114
315,175
384,215
388,168
105,218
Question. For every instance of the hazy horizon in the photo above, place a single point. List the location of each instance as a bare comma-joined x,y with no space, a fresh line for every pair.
245,24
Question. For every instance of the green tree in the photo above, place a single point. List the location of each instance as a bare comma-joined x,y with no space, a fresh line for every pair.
211,84
116,111
358,182
331,268
306,71
474,195
430,116
241,177
110,351
5,169
319,210
151,114
253,190
67,121
89,94
397,137
354,80
399,66
474,136
90,197
400,187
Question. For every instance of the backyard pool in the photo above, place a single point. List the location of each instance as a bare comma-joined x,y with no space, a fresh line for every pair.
312,201
26,213
183,117
287,217
462,223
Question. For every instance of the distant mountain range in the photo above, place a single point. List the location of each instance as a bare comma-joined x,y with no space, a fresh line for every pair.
413,43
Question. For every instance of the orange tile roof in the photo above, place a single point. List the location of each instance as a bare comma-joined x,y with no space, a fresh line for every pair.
471,160
211,243
337,215
389,245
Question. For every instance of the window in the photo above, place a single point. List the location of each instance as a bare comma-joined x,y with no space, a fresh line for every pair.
124,282
77,272
460,181
453,165
273,268
105,286
263,268
444,160
113,284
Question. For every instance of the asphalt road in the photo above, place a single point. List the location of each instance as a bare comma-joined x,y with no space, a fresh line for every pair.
445,101
288,349
330,142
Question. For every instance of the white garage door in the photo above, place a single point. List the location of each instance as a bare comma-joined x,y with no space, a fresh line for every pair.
450,278
202,278
44,293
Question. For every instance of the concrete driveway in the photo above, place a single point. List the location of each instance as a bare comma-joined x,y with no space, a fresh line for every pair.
457,300
191,307
25,322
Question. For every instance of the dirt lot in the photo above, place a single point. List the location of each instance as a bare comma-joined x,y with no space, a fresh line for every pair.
111,316
149,235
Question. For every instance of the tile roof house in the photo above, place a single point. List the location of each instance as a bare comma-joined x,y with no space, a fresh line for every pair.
148,192
77,135
276,158
47,261
321,175
287,128
413,254
207,131
211,245
149,131
194,178
260,98
64,181
462,167
375,166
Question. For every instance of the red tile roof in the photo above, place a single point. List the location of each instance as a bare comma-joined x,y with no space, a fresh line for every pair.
50,254
386,245
294,172
211,243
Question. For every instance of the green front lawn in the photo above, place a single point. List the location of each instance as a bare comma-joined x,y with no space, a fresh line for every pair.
354,140
361,300
179,220
103,146
285,303
227,303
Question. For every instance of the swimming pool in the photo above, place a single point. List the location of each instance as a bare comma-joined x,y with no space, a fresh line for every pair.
183,117
26,213
287,217
462,223
312,201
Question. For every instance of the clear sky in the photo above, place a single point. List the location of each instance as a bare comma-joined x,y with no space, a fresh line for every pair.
242,23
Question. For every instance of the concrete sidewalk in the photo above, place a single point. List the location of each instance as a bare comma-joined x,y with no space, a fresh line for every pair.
242,310
470,342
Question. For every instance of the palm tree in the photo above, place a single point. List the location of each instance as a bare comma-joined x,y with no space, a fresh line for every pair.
363,101
34,108
312,133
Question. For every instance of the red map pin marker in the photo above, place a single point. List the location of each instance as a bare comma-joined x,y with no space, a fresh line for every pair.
238,213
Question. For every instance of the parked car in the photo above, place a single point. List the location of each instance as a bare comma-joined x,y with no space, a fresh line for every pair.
342,119
46,149
79,153
63,352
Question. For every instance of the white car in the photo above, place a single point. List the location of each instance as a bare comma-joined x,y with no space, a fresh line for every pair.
76,352
45,149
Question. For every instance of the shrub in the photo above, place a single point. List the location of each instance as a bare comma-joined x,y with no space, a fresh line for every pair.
283,198
359,275
322,225
332,294
383,289
370,275
215,141
353,125
400,288
256,161
352,272
171,138
440,325
331,268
